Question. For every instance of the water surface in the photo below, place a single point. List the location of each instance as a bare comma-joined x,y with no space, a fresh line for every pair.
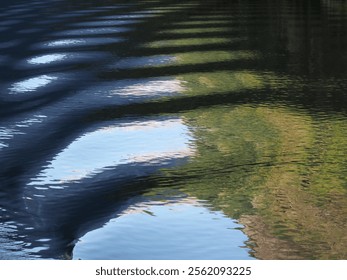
168,130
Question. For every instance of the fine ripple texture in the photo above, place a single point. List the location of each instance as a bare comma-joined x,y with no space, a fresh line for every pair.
170,130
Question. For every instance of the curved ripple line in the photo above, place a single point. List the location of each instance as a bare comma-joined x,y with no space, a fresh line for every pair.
114,22
113,145
92,31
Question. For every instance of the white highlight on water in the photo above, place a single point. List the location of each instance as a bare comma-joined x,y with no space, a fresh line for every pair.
31,84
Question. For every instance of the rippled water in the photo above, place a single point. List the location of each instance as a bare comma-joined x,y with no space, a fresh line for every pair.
169,130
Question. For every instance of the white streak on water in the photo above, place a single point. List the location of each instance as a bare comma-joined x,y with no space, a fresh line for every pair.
93,31
149,88
48,58
66,42
31,84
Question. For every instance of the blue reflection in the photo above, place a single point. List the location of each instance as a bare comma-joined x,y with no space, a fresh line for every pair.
107,147
185,229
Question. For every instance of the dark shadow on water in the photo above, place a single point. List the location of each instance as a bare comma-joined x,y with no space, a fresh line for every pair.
178,70
85,206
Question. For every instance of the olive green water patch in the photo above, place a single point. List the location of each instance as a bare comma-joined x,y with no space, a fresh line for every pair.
195,31
221,81
198,23
190,42
251,162
216,56
233,144
290,210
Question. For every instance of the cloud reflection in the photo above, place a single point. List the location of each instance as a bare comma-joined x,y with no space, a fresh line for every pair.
149,88
31,84
48,58
103,149
67,43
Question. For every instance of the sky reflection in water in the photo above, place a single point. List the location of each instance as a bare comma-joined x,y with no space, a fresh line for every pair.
48,58
32,84
105,148
144,229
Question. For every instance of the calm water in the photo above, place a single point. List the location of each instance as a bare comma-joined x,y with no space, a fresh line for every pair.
167,130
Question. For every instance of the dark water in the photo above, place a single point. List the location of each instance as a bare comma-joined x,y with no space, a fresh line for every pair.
173,130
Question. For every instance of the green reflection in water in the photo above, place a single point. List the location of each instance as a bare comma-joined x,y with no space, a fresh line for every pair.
195,30
188,42
216,56
278,168
271,144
